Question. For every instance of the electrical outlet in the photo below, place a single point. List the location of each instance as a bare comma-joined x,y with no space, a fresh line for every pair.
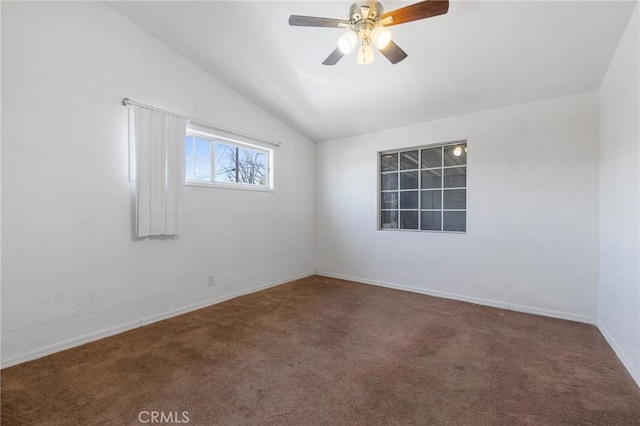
212,280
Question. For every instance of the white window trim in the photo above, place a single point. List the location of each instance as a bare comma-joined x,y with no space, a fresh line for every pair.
238,143
240,186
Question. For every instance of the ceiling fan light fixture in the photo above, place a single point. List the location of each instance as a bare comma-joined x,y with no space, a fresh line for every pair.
365,53
381,37
367,21
347,42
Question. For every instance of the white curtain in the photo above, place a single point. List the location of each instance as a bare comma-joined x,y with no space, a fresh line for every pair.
159,149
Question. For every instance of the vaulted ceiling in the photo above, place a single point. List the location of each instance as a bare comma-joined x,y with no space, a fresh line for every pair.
481,55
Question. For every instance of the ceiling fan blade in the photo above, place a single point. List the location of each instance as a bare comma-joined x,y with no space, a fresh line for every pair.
414,12
333,59
393,53
314,21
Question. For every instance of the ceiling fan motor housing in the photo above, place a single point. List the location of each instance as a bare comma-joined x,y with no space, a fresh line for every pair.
363,16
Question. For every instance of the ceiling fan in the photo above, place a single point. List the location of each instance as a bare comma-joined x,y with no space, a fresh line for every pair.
366,26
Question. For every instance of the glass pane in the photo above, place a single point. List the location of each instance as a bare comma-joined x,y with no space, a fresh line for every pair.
408,220
188,147
225,162
431,199
431,157
455,221
409,200
389,200
389,162
455,177
455,199
203,149
409,160
390,219
202,170
455,155
430,221
431,179
189,169
389,181
252,166
409,180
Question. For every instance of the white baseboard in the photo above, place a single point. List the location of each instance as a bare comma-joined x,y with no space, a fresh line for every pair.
624,358
470,299
101,334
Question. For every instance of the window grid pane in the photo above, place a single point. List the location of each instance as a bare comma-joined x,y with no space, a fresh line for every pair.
454,221
409,200
455,177
437,190
455,199
409,219
390,181
409,160
389,162
389,219
409,180
389,200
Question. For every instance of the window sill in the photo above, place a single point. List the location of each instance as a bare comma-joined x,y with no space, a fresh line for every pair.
229,186
422,230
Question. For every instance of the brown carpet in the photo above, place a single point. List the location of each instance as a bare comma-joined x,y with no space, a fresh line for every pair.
320,351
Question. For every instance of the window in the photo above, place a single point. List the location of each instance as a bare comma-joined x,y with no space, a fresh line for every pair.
424,188
215,161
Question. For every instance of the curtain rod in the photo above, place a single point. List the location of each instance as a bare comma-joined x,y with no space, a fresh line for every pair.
127,101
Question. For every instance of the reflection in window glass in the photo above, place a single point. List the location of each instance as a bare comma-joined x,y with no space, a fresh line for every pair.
455,221
431,221
455,199
455,177
432,157
389,200
389,162
431,199
409,160
389,181
409,180
389,219
409,200
431,179
408,219
455,155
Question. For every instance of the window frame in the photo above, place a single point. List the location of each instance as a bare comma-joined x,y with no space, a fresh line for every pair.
213,138
419,189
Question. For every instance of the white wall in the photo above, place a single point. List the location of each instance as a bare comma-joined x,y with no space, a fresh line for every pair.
619,295
70,266
532,240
